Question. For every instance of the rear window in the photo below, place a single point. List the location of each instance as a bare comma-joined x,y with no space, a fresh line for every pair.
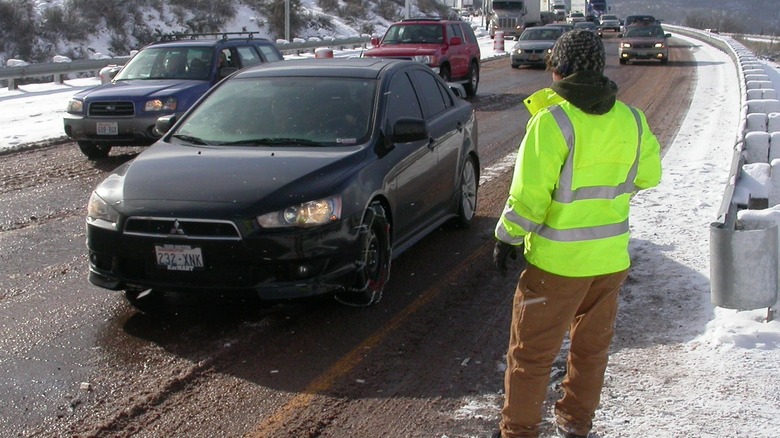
414,34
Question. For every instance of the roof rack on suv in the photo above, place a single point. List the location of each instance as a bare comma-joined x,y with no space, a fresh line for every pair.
195,36
424,19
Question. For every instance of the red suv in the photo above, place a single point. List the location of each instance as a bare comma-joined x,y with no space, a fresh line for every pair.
449,47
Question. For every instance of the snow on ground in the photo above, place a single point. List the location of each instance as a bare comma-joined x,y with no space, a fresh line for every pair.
680,367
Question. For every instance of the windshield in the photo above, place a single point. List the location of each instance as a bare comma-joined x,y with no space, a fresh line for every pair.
299,111
414,34
168,63
516,6
644,32
538,34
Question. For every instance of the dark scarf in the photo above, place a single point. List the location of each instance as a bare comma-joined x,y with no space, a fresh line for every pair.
589,91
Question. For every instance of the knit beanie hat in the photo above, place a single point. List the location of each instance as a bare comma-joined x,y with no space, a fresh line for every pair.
577,50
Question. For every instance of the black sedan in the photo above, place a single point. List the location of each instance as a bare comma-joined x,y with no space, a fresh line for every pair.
289,179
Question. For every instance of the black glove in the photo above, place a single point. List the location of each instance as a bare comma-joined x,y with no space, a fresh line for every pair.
500,252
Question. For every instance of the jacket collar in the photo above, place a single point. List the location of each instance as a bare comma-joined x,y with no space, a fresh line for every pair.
591,92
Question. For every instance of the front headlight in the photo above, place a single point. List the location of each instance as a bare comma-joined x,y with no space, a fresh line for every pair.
75,106
625,45
425,59
168,104
308,214
100,214
659,45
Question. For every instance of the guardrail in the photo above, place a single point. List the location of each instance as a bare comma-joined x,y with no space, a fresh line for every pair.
744,240
59,70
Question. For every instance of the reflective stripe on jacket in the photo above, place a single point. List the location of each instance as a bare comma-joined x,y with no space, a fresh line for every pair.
573,180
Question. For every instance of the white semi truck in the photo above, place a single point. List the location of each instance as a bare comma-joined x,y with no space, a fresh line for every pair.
559,8
579,6
512,16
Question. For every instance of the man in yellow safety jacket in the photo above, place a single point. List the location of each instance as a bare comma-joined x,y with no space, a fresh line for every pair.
583,156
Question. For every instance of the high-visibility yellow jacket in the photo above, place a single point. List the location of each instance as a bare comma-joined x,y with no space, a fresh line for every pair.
574,177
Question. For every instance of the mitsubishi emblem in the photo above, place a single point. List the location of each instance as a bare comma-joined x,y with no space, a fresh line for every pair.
176,229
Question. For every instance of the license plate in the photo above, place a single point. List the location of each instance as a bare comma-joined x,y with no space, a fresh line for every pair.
107,128
641,53
533,57
178,257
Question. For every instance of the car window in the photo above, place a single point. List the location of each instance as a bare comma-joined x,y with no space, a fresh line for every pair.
539,34
282,111
468,32
402,100
508,5
431,92
269,53
168,63
455,31
248,56
228,59
644,32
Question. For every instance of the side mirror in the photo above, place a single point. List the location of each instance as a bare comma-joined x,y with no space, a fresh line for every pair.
164,124
407,129
374,41
457,89
455,41
668,35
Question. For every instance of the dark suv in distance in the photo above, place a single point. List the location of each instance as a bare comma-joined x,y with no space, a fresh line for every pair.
164,78
640,41
449,47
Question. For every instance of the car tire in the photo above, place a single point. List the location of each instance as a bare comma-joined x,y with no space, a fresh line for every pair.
473,80
623,61
444,72
665,61
469,185
147,301
374,264
93,151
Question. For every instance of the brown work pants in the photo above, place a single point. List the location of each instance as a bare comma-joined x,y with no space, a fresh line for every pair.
545,307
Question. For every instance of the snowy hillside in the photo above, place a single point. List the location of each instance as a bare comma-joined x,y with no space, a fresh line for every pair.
37,30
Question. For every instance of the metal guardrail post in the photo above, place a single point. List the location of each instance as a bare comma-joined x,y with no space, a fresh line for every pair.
744,260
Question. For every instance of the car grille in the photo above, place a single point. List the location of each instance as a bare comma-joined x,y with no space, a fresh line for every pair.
184,228
533,50
505,22
111,109
643,45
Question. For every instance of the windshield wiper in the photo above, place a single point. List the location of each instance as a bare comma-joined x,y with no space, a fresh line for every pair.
190,139
273,141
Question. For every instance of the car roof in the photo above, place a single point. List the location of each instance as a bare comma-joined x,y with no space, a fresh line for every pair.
361,68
